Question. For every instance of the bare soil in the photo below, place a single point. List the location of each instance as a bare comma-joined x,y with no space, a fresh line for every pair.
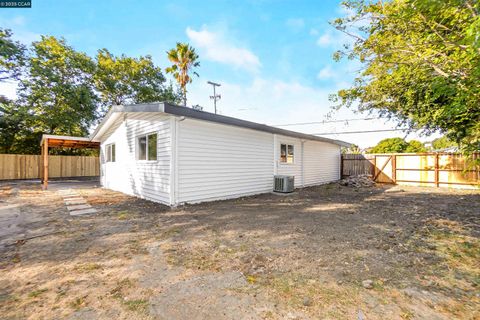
326,252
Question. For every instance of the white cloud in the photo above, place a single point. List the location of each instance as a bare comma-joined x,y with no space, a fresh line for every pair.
313,32
325,73
274,101
16,21
18,25
267,100
218,47
334,39
295,23
325,40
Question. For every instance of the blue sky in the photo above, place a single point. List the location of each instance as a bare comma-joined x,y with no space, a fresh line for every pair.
273,58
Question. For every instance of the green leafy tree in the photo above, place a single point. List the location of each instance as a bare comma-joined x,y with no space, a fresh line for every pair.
421,62
390,145
12,56
58,90
398,145
12,127
353,149
443,143
126,80
184,59
415,146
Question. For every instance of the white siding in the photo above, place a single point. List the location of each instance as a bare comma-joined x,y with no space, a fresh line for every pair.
146,179
203,161
218,161
321,162
290,169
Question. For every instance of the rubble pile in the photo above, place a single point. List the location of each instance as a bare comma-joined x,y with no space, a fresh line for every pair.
360,181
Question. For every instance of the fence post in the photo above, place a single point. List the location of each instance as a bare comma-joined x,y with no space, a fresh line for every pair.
341,165
437,182
394,168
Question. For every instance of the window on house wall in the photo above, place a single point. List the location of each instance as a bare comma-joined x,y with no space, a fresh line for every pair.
147,147
287,152
110,152
142,148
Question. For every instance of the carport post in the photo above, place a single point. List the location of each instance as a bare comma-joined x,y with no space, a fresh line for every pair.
45,163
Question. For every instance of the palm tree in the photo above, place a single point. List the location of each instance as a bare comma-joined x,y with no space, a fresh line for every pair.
184,58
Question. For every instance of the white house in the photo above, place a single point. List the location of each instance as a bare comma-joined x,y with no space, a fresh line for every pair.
174,155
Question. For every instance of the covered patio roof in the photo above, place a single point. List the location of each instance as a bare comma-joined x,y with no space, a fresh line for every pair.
69,142
54,141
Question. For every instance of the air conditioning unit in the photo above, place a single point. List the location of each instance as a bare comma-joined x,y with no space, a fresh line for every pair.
283,183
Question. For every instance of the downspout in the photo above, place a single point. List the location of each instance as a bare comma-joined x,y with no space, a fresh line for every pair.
275,162
302,163
174,125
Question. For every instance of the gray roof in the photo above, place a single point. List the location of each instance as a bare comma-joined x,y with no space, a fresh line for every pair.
172,109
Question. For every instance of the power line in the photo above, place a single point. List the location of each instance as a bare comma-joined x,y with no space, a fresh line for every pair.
351,132
320,122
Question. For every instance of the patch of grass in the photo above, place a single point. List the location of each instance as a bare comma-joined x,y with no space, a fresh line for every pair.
16,258
123,215
407,314
77,303
460,253
268,315
37,293
139,305
291,288
195,259
9,297
87,267
251,279
136,247
171,232
121,286
200,262
379,285
60,295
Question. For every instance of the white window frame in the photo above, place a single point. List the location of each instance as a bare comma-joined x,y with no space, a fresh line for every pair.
286,155
137,143
110,156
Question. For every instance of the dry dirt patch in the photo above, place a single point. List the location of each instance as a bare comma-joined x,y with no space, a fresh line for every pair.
327,252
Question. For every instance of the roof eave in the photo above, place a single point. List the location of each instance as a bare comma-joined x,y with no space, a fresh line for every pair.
146,107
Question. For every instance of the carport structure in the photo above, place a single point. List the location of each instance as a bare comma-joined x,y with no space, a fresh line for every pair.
54,141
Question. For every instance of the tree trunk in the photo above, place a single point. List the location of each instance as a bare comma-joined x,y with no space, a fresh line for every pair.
184,96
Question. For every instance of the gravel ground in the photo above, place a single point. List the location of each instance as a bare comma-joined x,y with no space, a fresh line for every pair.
326,252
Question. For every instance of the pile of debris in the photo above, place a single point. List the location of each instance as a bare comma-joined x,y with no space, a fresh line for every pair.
360,181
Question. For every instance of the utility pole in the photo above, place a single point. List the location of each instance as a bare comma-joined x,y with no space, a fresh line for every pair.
215,96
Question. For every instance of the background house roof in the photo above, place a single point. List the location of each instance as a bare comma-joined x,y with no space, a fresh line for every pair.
172,109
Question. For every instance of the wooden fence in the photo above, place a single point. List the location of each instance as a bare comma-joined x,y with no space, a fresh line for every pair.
420,169
21,166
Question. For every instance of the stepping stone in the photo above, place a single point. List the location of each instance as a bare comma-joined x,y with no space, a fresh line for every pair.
81,212
79,207
72,198
66,191
70,195
75,202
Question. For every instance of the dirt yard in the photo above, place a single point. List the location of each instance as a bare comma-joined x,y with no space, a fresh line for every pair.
328,252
